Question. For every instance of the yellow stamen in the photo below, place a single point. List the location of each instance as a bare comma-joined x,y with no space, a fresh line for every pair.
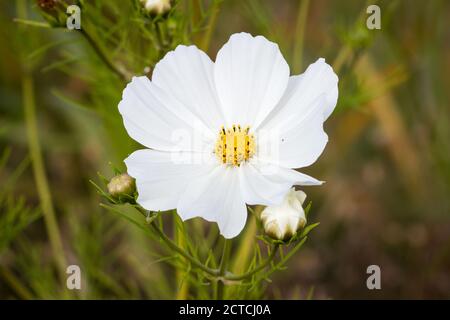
235,145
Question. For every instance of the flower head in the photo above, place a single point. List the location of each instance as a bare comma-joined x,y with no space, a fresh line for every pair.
220,135
282,221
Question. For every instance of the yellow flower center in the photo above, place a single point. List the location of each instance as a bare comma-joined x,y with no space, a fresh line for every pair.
234,145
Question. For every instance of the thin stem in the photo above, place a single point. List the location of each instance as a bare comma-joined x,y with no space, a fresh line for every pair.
283,261
205,41
181,251
263,265
32,23
346,51
15,284
40,175
123,74
300,35
223,268
183,288
343,55
244,250
219,274
178,249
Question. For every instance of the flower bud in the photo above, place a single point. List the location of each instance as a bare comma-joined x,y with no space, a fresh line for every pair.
156,6
121,185
47,4
53,12
281,222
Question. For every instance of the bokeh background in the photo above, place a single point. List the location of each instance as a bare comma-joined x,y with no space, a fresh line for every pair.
387,164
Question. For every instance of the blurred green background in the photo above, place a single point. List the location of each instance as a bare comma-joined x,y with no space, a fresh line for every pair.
387,164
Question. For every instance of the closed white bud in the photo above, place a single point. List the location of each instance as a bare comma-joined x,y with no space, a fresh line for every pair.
121,185
156,6
283,221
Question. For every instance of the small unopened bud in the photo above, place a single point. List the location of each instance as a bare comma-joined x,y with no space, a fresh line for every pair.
47,4
53,11
283,221
156,6
121,185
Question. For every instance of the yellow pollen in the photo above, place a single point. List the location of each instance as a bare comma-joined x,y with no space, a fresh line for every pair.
234,145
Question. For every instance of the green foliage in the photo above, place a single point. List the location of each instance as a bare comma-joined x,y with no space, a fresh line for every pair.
200,270
15,214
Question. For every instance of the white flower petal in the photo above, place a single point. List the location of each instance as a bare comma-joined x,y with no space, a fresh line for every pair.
298,178
297,147
285,175
251,76
259,187
187,73
297,121
156,120
216,197
303,90
161,179
300,195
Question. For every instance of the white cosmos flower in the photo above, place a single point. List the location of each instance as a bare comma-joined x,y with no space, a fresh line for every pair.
225,134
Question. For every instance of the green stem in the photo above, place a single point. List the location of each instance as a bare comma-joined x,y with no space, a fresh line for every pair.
40,175
300,35
15,284
263,265
172,245
222,269
181,242
123,74
219,274
285,259
206,40
181,251
346,50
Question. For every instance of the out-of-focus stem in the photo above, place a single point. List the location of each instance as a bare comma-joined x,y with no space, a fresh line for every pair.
123,74
223,269
206,40
181,242
172,245
341,58
245,247
273,252
15,284
346,51
40,175
302,17
196,11
217,274
285,259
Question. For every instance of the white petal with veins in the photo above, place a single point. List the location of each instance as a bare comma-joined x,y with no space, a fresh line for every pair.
251,76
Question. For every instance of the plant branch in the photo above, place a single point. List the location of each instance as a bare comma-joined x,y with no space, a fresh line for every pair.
40,177
206,39
15,284
178,249
300,35
273,253
221,273
123,74
222,269
283,261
